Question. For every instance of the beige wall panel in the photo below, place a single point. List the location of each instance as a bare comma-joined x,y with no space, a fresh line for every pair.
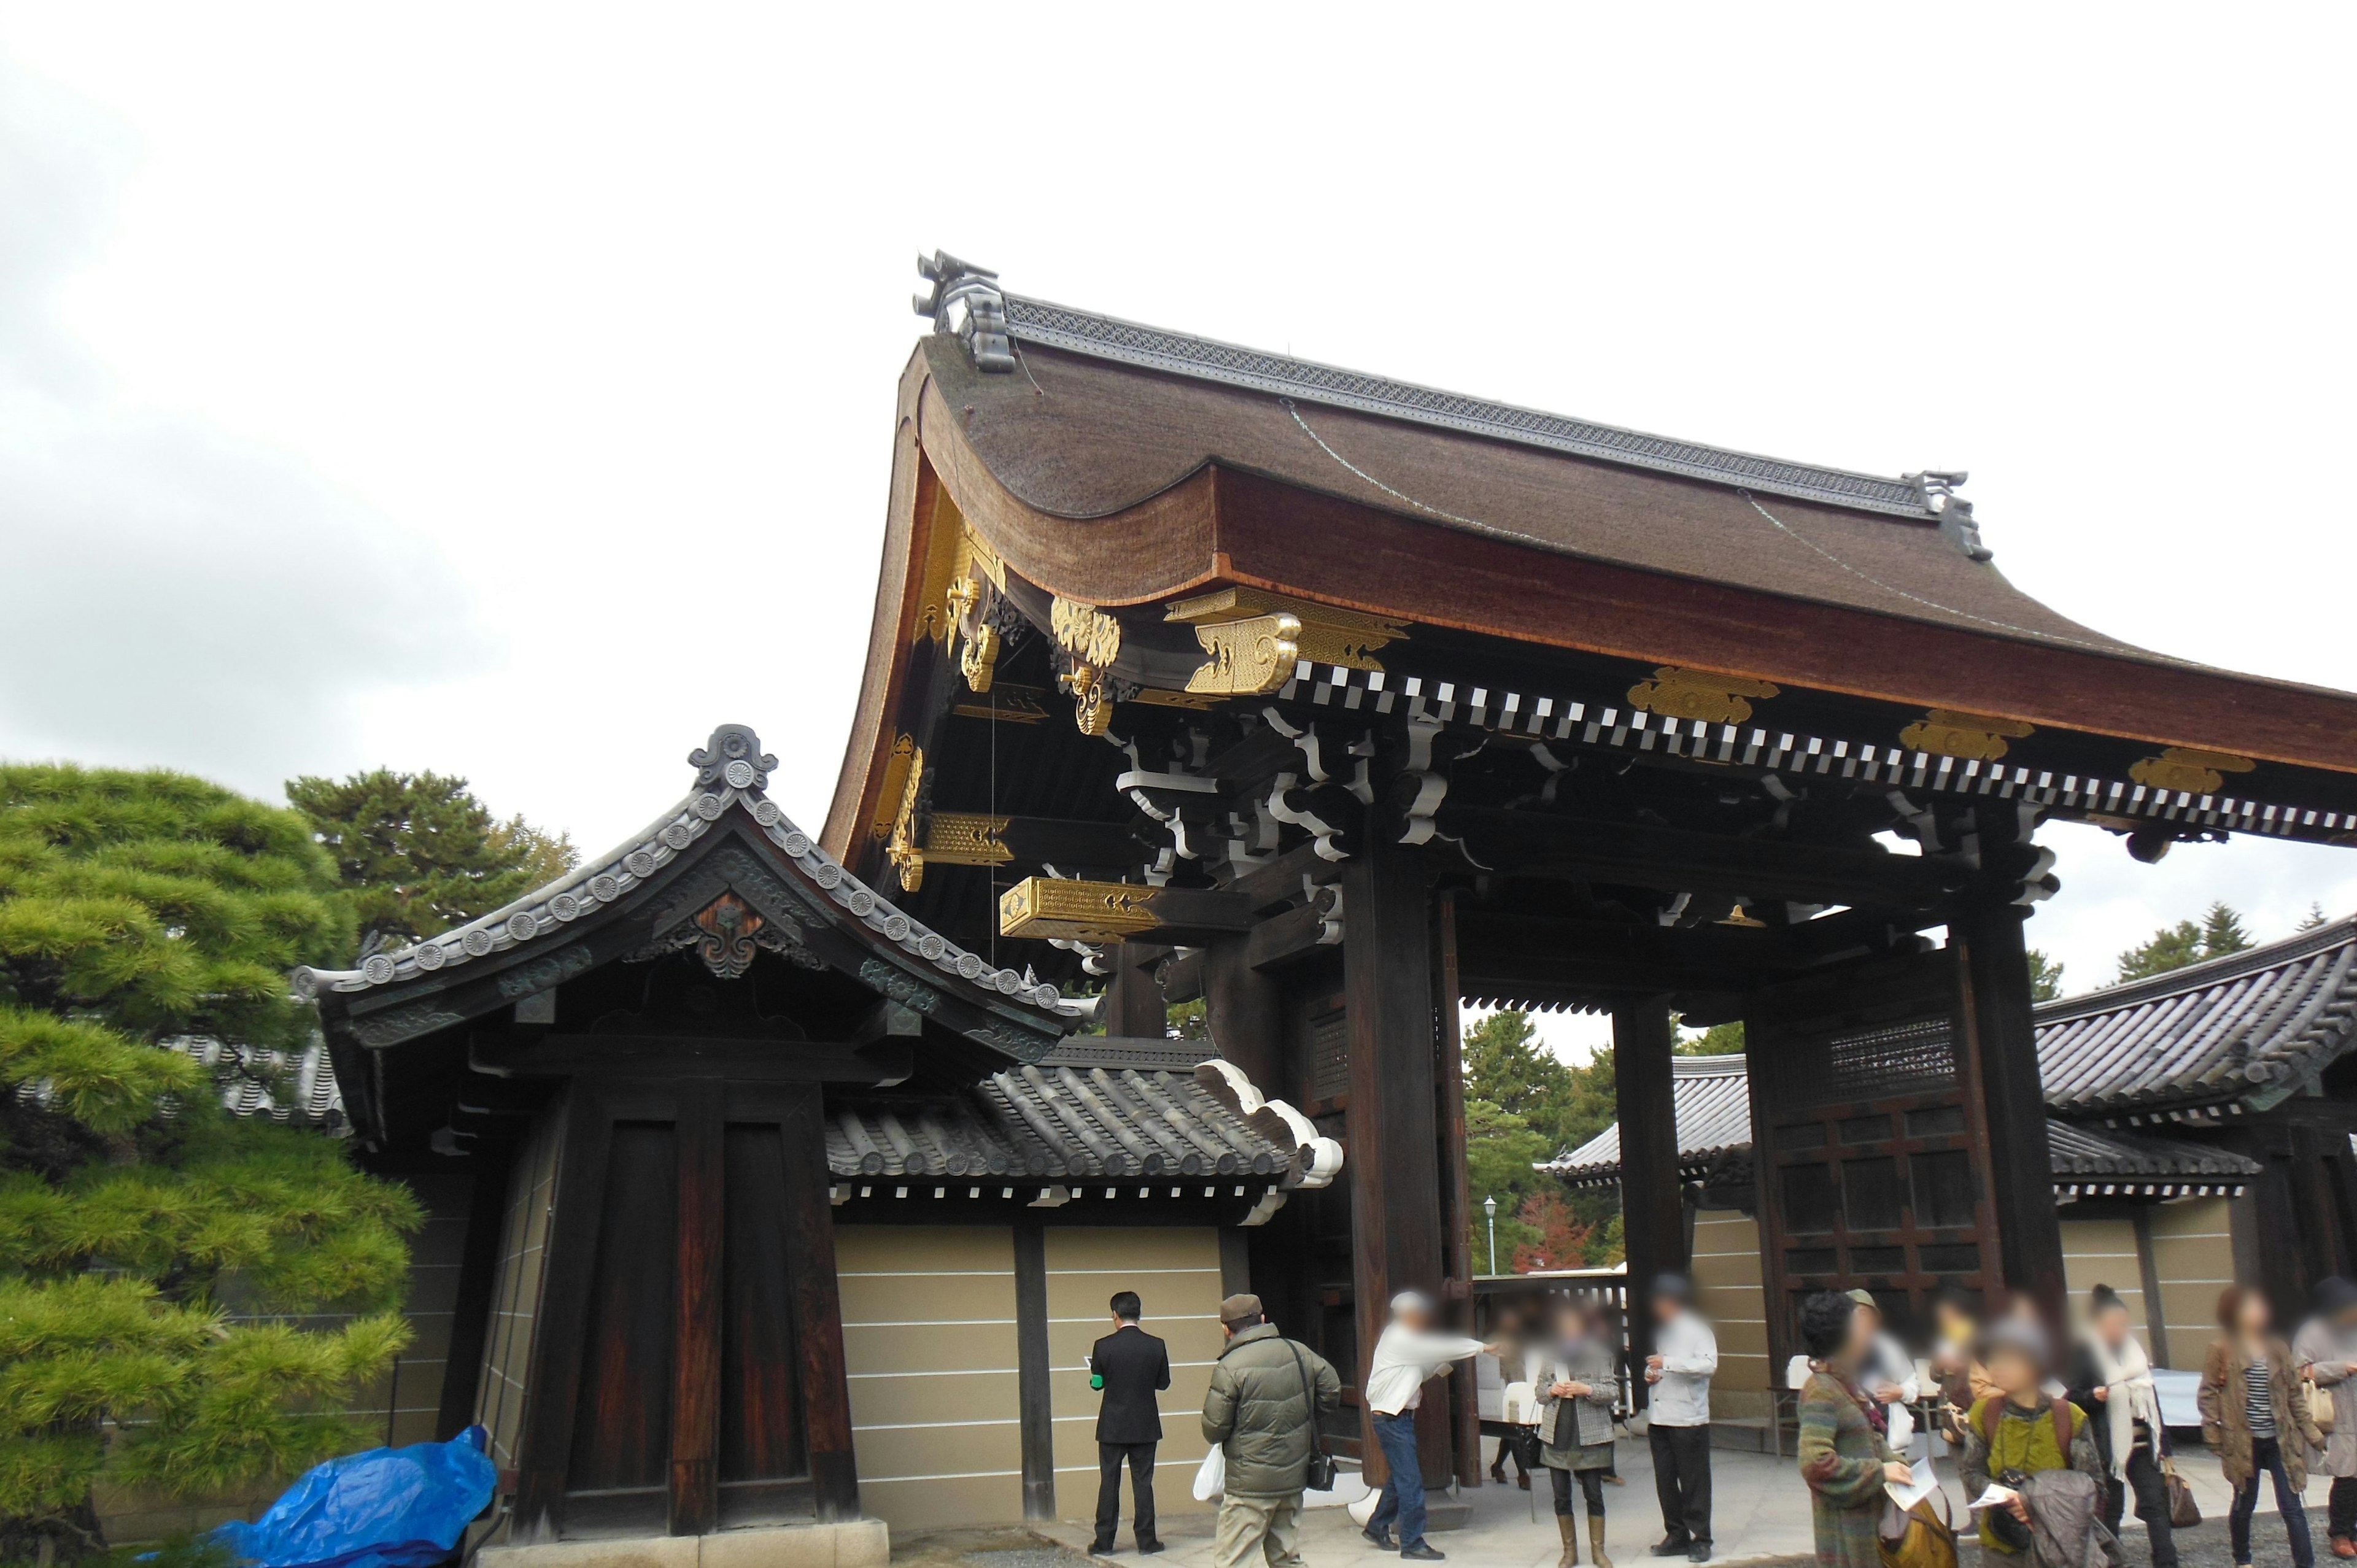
889,1249
1117,1248
927,1298
889,1400
944,1503
929,1347
1725,1264
1167,1293
957,1449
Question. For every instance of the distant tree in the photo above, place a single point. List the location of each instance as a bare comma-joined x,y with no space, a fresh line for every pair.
2220,932
1606,1242
1506,1065
420,853
1562,1239
2314,918
1500,1150
1187,1020
141,912
2045,977
1719,1040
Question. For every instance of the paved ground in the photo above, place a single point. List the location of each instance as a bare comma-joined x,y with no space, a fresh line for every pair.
1761,1515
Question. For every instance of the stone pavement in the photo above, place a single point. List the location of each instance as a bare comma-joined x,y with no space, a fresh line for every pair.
1760,1513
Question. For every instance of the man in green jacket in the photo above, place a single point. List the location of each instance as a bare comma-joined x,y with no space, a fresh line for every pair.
1266,1396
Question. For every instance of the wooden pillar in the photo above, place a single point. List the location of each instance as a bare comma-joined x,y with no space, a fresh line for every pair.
2156,1321
1134,1004
479,1272
1244,1009
695,1357
1653,1204
818,1311
1464,1391
553,1382
1995,999
1034,1395
1393,1126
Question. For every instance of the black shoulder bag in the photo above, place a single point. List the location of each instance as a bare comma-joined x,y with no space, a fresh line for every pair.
1322,1472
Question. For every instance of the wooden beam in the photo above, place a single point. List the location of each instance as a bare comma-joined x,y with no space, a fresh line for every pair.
818,1309
1295,934
1243,1006
1674,860
886,1060
1074,910
1035,1394
1651,1207
554,1388
479,1273
695,1343
1135,1005
1456,1220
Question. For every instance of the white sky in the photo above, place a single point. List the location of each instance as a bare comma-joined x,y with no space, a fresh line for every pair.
509,391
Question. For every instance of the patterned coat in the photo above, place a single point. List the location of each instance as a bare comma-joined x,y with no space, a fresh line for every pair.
1841,1459
1576,1433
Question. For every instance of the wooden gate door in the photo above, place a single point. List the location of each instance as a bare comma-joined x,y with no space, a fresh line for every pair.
688,1374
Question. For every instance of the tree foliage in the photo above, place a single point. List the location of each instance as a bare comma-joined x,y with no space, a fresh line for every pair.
151,1247
2045,977
420,853
1559,1238
1719,1040
1530,1105
2220,932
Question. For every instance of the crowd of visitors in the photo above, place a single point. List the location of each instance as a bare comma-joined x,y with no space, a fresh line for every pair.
2050,1442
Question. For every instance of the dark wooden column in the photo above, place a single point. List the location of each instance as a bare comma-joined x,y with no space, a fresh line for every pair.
1034,1395
562,1337
1243,1007
818,1312
1653,1210
1393,1132
1457,1219
1134,1004
1996,1004
479,1273
695,1364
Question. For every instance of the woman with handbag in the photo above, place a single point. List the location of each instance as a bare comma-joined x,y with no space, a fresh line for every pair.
2111,1380
1844,1459
1575,1401
2327,1345
2254,1416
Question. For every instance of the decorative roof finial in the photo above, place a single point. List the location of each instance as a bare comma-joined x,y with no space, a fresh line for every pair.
734,756
967,303
1955,513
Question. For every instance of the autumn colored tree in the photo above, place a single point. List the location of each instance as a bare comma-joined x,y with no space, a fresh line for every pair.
1562,1239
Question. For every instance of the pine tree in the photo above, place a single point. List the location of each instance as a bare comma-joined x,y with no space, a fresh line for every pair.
421,854
1719,1040
2222,932
140,912
2045,977
2173,946
1500,1150
2315,918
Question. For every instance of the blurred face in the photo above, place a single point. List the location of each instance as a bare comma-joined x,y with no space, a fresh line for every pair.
2346,1318
1666,1307
1954,1323
1571,1325
2112,1323
2013,1371
1859,1343
2252,1317
1415,1317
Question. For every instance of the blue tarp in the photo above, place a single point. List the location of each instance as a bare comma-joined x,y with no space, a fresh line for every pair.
389,1507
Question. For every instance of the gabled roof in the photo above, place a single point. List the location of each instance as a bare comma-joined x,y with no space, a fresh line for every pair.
2247,1029
1712,1095
726,836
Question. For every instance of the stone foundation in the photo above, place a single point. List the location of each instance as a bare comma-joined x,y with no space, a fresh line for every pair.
862,1543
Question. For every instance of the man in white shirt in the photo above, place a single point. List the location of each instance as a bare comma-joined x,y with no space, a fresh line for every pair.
1686,1355
1409,1355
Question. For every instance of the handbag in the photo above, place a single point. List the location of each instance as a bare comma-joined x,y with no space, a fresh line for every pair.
1928,1541
2184,1513
1323,1472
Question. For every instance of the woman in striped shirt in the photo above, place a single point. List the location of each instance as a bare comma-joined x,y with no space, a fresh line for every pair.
2254,1416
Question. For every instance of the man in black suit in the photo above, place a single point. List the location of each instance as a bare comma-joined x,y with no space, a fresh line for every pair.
1131,1366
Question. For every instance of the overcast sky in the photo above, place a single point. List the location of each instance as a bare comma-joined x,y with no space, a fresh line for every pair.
509,392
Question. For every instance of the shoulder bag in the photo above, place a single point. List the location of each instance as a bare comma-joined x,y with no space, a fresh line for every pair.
1323,1471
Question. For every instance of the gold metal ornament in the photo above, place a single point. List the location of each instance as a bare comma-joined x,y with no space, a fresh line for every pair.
1679,693
894,786
2190,771
1008,705
1950,732
1247,656
1092,640
902,850
966,837
1071,910
1328,636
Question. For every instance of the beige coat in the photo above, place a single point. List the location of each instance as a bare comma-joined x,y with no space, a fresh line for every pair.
2226,1427
2317,1347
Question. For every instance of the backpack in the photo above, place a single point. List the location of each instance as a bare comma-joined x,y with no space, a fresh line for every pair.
2064,1413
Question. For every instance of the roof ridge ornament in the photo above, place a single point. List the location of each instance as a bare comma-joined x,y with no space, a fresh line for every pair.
732,756
966,303
1955,513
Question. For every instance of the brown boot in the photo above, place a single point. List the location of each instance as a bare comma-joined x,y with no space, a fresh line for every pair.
1596,1540
1570,1558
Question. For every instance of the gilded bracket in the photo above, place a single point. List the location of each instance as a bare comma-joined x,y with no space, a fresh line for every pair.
894,786
1248,657
1090,640
1327,635
2191,772
902,850
1679,693
1950,732
966,837
1062,907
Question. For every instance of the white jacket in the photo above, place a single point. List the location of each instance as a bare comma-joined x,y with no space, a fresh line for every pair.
1404,1360
1689,1354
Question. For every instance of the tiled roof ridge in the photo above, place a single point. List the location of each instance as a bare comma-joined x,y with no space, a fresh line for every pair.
2202,975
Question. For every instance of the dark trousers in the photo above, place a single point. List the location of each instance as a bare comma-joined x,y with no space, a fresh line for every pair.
1591,1487
2341,1507
1682,1478
1403,1493
1520,1446
2266,1460
2151,1500
1140,1457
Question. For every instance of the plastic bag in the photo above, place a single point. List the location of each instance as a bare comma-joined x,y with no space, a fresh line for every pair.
1212,1477
387,1508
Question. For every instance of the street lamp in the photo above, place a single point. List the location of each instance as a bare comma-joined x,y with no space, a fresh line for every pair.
1490,1208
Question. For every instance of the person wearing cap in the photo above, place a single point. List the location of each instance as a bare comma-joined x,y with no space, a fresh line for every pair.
2327,1344
1684,1358
2111,1379
2018,1432
1262,1411
1407,1356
